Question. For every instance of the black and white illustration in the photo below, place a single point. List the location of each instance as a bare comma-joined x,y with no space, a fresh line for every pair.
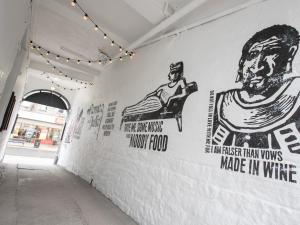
265,112
78,123
94,118
165,102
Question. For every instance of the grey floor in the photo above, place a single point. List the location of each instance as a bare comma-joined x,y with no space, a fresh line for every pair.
31,195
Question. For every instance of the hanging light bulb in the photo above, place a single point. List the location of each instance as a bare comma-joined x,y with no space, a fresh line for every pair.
133,53
90,62
110,60
121,58
105,36
47,53
78,61
100,62
60,72
130,55
96,27
112,43
126,53
53,68
73,3
120,48
48,62
57,57
68,59
85,17
38,48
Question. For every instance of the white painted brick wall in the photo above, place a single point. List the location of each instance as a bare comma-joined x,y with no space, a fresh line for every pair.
184,186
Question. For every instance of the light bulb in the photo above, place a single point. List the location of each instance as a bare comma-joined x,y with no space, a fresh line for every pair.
68,59
121,49
90,62
110,60
99,61
126,53
78,61
85,17
96,28
73,3
121,58
57,57
52,88
105,36
47,53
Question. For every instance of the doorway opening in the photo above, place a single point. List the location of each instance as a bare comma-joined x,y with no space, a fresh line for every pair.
38,129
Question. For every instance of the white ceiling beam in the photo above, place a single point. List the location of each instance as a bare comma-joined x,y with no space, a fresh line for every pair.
167,22
204,21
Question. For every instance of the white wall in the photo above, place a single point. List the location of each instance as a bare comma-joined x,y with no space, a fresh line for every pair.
14,83
14,18
184,185
13,58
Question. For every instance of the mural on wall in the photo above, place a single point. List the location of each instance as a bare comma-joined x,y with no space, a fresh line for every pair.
78,123
166,102
94,118
110,117
252,126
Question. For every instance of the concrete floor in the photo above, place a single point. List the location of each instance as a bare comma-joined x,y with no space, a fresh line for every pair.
35,195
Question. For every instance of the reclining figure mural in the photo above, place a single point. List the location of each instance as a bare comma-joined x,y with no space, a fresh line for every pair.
165,102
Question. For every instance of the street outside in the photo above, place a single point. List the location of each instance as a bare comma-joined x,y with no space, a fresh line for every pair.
27,154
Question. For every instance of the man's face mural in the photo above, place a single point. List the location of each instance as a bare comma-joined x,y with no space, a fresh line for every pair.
265,60
176,70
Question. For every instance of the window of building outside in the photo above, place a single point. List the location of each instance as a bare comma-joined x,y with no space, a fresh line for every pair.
38,127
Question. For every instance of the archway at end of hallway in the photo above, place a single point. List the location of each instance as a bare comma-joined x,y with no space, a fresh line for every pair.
38,129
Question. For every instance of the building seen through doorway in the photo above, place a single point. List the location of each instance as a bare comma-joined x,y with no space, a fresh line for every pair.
37,132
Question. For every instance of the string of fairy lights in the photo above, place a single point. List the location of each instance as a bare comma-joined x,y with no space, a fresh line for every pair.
57,71
55,85
86,17
48,55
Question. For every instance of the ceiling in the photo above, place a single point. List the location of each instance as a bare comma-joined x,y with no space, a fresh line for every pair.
59,27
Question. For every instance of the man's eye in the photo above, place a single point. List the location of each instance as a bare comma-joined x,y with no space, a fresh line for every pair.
252,55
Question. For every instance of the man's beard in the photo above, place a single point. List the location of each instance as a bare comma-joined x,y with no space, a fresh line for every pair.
267,86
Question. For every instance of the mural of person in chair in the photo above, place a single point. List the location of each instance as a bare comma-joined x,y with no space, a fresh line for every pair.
165,102
265,112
